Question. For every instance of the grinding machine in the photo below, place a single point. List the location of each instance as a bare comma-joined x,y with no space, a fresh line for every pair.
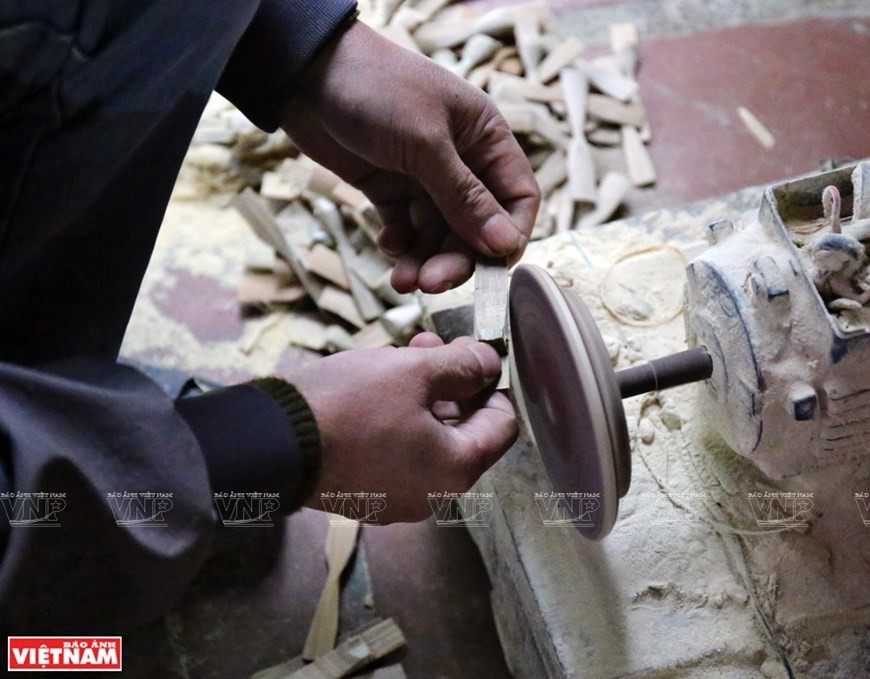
786,372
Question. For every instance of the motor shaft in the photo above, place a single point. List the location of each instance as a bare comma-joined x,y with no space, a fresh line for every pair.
683,367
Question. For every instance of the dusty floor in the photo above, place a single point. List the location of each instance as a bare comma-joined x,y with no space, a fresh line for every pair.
798,66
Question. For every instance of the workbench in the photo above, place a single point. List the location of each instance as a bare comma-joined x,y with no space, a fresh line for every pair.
695,580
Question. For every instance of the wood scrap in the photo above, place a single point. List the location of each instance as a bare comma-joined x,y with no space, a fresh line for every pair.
637,158
341,539
581,167
340,303
514,55
560,57
372,336
611,192
528,38
355,651
614,111
478,49
761,134
326,263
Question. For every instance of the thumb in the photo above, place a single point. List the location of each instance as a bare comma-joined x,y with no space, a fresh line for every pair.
469,207
459,370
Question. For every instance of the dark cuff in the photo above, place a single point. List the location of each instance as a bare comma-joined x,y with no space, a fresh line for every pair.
283,37
259,437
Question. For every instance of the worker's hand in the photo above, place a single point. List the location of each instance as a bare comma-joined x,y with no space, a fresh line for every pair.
430,150
407,422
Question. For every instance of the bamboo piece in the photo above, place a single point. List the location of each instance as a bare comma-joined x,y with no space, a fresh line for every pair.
372,336
605,135
491,286
354,653
445,57
264,225
368,304
341,542
306,332
611,192
429,8
523,89
581,166
338,339
258,288
564,211
762,135
432,36
370,265
527,34
552,172
400,321
368,219
490,302
614,111
511,66
637,158
478,49
560,57
624,41
328,264
608,82
534,118
341,304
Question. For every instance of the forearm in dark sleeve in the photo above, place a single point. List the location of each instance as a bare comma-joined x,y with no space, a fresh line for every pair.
89,435
259,437
283,37
86,433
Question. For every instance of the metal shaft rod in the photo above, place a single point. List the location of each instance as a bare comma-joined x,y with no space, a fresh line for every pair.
693,365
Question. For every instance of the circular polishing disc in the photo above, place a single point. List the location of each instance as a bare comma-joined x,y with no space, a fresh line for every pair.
572,399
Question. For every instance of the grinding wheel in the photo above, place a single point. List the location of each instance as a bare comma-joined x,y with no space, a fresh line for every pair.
572,397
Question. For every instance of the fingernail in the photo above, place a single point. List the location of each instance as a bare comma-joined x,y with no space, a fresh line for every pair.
501,234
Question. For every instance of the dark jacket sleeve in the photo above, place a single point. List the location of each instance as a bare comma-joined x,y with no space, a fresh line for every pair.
283,37
107,489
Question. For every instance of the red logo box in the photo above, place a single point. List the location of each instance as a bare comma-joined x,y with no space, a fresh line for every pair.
64,654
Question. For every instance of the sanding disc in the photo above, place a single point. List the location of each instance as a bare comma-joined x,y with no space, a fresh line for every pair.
572,399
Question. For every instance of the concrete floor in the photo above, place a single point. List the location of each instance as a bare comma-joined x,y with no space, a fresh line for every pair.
799,67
